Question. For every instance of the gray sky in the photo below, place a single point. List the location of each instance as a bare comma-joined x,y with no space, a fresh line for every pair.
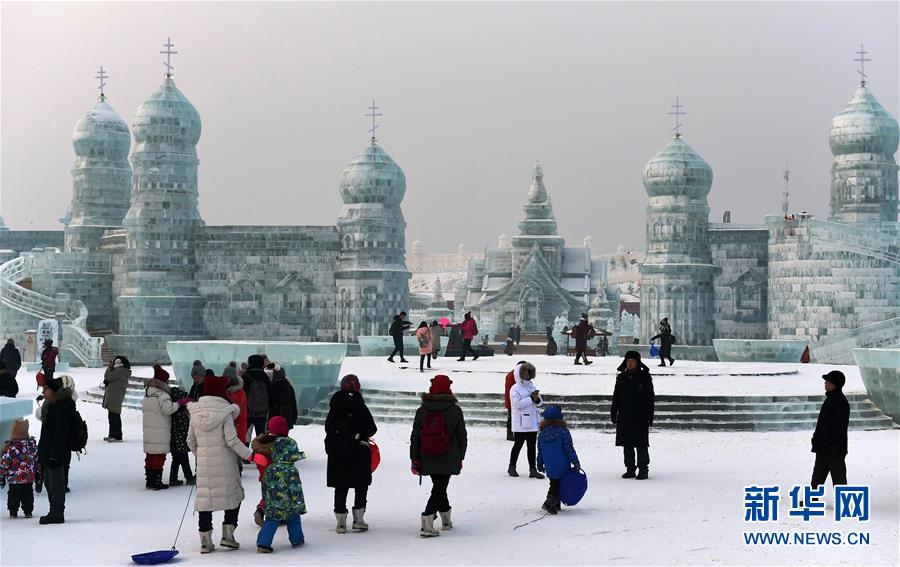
472,95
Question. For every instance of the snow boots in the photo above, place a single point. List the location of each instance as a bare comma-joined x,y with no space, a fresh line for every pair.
206,543
154,480
629,473
173,478
534,474
642,474
48,519
446,523
263,549
341,522
552,505
259,516
512,471
359,524
428,526
228,537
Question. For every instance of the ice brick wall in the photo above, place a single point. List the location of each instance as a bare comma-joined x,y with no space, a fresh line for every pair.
78,275
268,283
740,300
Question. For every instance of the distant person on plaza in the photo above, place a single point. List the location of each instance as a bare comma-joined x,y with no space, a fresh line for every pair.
583,332
510,348
436,331
512,332
518,334
181,421
829,441
282,398
524,400
665,342
49,356
18,466
556,454
604,345
469,330
9,388
257,387
57,416
158,407
632,412
397,330
115,382
423,336
198,373
510,382
437,448
552,347
197,369
11,357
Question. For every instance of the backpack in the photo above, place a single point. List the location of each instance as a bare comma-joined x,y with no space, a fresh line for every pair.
434,438
78,434
258,398
340,436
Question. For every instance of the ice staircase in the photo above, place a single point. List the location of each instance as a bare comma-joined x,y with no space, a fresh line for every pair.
530,344
700,413
134,394
71,313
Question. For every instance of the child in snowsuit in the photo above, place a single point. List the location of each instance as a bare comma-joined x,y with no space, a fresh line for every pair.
262,446
18,463
283,495
556,454
181,421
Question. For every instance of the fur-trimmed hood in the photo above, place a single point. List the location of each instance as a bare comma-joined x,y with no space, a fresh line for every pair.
158,384
263,444
553,423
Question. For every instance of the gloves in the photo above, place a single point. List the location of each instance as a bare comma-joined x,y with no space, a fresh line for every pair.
185,401
416,468
38,480
260,460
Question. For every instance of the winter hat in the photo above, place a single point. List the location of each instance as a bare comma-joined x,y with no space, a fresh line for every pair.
117,363
635,355
254,361
48,342
836,377
350,383
279,373
54,385
209,372
10,342
553,412
198,363
230,372
19,430
160,374
584,316
278,425
215,386
529,368
440,384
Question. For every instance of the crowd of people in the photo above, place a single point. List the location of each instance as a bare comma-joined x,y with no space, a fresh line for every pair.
215,418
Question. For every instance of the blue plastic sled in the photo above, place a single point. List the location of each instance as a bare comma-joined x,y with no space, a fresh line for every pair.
572,487
155,557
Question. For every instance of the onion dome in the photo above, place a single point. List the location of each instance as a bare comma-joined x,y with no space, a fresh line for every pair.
373,177
101,133
677,170
864,126
167,116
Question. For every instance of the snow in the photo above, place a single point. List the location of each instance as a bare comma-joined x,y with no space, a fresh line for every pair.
690,511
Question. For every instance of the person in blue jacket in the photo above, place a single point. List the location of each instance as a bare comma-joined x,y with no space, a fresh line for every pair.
556,454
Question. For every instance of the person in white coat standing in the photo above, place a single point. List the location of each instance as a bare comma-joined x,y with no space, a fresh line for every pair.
158,408
524,399
214,441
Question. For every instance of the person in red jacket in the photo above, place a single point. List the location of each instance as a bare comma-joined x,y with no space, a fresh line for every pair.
238,396
469,331
510,382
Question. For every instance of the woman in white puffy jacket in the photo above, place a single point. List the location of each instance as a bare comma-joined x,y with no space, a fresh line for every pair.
157,420
524,399
214,441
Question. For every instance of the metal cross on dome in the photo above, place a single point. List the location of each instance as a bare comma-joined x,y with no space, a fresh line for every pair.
677,114
101,74
373,115
862,63
169,53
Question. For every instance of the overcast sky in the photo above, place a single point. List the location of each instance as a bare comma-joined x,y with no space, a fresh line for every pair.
472,95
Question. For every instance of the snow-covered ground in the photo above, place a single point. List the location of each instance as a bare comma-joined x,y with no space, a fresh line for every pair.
689,512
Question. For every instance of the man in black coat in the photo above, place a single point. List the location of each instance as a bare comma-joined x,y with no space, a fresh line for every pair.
829,442
11,358
665,342
9,388
398,327
632,412
582,332
259,392
53,448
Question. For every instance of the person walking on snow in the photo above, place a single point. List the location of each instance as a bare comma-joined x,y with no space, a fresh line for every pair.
11,357
115,382
397,330
524,399
423,336
583,332
157,425
469,331
262,447
283,495
436,330
632,413
829,441
49,356
437,448
282,399
556,454
665,342
181,421
214,440
510,382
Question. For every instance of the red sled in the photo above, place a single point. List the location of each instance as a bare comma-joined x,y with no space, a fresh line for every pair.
375,455
40,379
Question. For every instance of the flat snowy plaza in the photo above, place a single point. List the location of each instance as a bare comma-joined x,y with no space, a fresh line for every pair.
690,510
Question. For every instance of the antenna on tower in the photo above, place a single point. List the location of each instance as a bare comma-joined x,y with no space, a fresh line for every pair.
862,64
373,115
101,74
785,203
677,113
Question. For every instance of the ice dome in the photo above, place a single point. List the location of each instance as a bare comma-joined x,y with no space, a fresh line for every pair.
373,177
101,133
864,126
167,116
677,170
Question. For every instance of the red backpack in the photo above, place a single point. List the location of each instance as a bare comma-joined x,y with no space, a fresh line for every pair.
434,438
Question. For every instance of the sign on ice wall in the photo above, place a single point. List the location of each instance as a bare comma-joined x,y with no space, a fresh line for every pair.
47,329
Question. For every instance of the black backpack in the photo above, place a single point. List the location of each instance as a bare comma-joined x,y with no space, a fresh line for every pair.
78,434
341,439
258,397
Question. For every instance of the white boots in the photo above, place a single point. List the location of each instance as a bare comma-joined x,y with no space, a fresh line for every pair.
428,526
446,524
341,522
359,524
228,537
206,543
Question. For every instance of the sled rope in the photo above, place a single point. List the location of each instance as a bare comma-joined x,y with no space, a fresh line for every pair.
531,522
183,514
